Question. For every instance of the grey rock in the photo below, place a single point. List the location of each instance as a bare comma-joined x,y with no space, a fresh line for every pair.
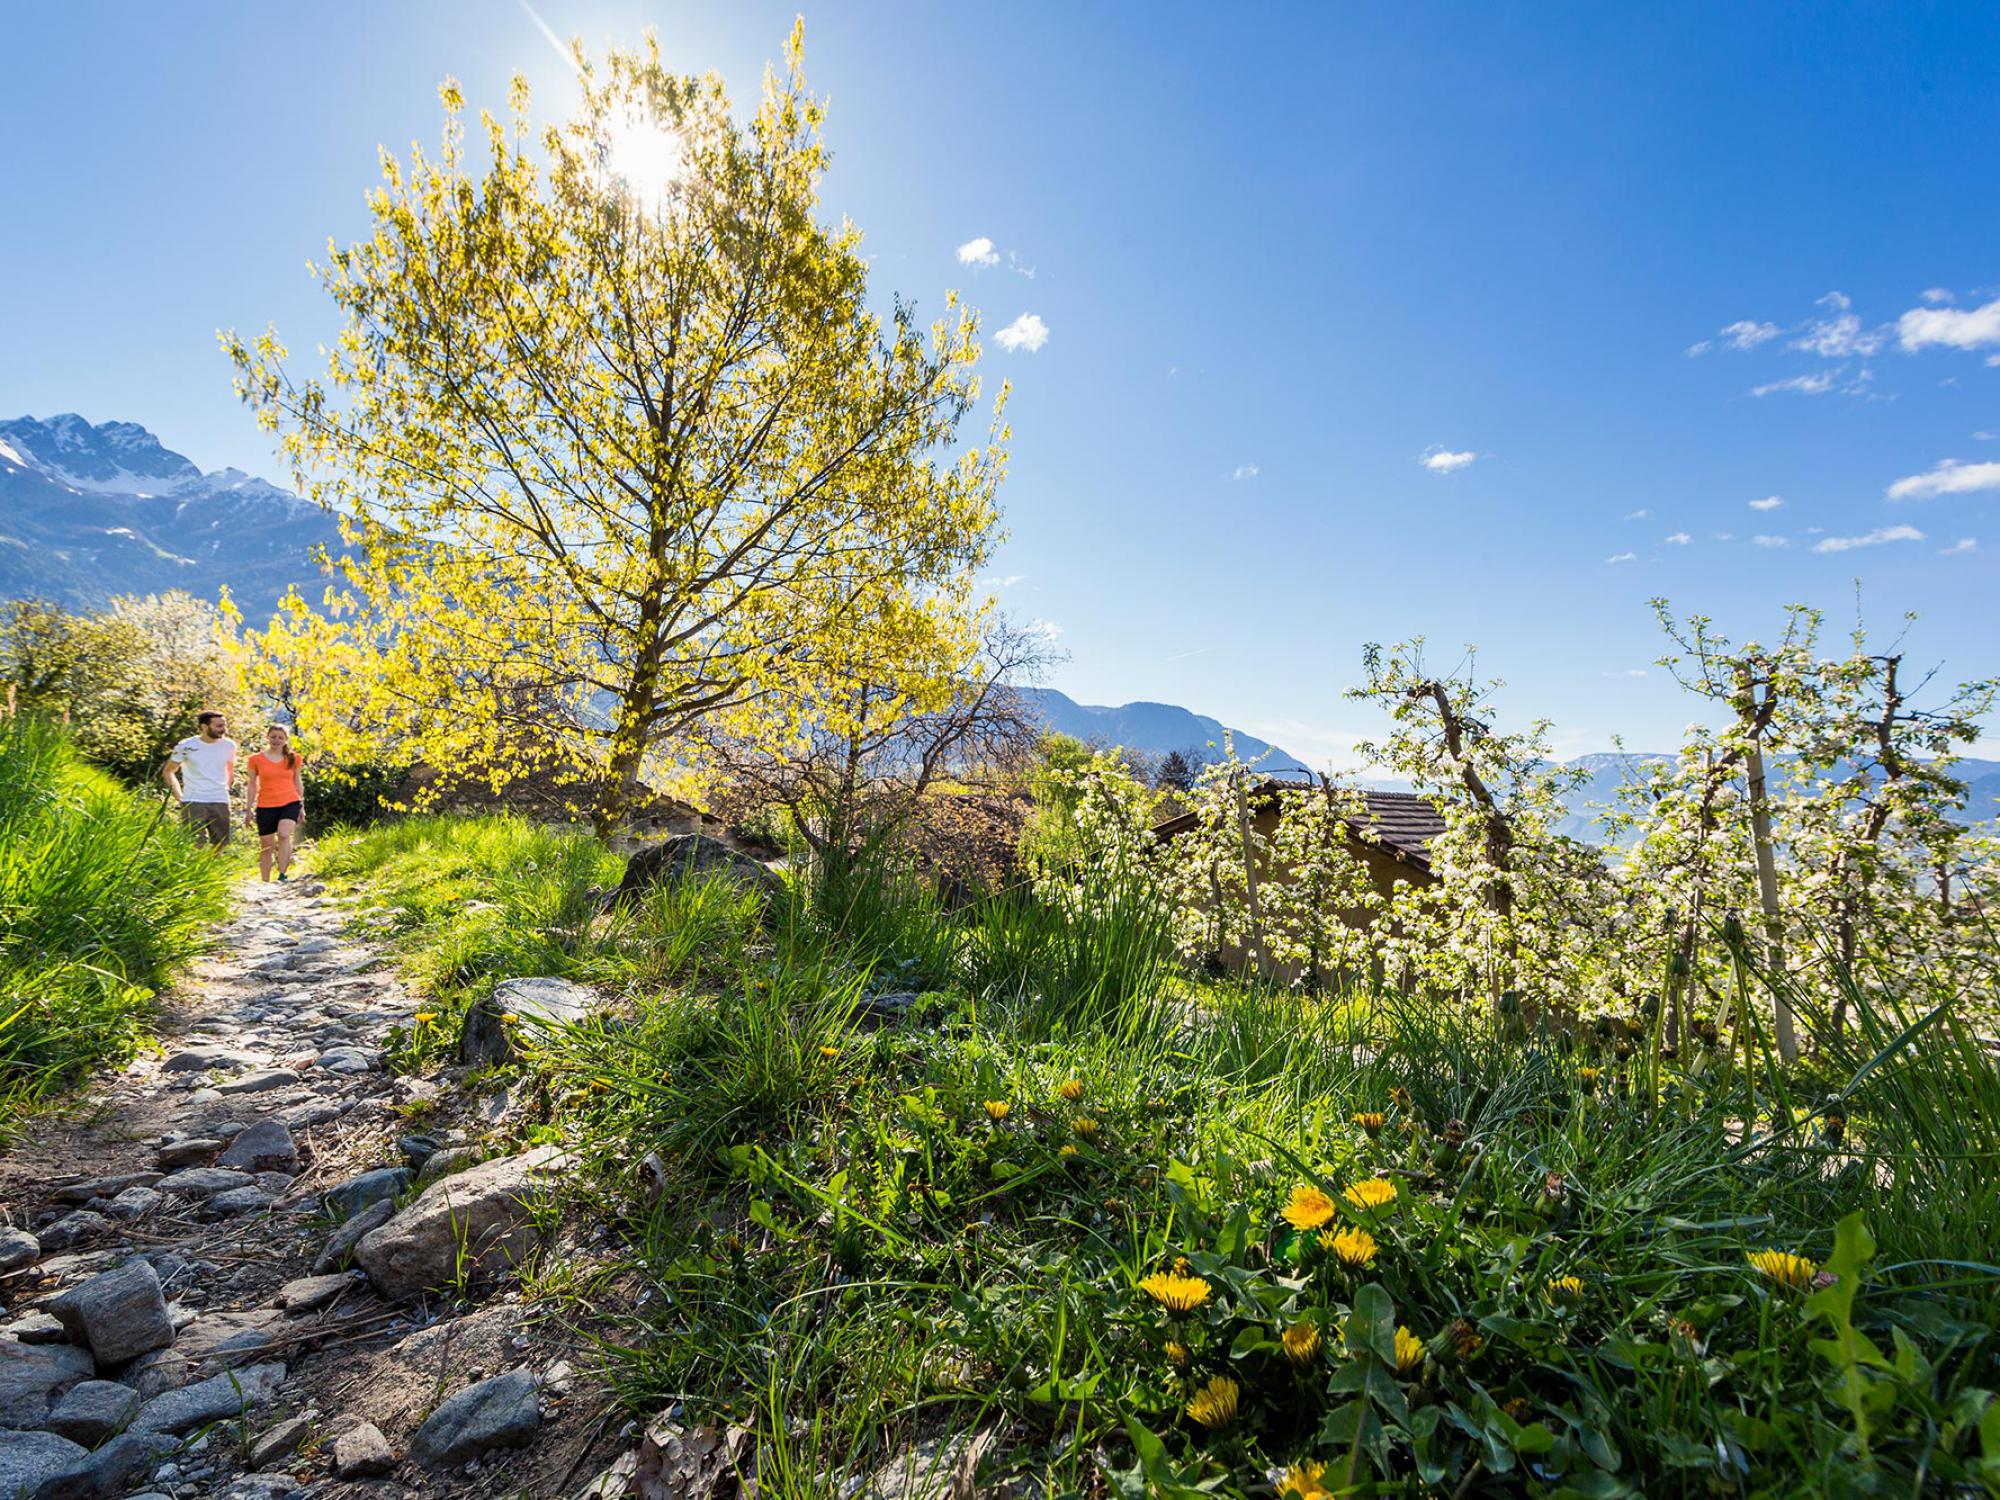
479,1221
451,1159
347,1061
33,1375
18,1248
103,1187
92,1411
122,1313
310,1292
219,1340
111,1471
72,1230
304,1116
417,1149
261,1081
235,1202
29,1459
227,1395
499,1413
203,1182
691,855
266,1146
260,1487
280,1442
340,1244
357,1193
196,1151
362,1453
488,1036
200,1058
37,1328
134,1203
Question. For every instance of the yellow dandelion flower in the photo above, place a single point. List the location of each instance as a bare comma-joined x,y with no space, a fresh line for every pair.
1301,1481
1371,1193
1371,1122
1177,1353
425,1017
1353,1248
1400,1098
509,1017
1564,1291
1409,1351
1793,1272
996,1109
600,1085
1214,1405
1084,1126
1587,1079
1071,1089
1176,1292
1301,1342
1307,1208
1067,1150
829,1052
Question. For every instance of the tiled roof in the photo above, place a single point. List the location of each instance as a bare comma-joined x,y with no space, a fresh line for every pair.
1403,823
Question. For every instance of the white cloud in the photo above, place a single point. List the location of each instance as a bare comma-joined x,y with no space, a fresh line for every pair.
1441,460
1873,538
1027,332
1699,347
1637,515
1679,539
1769,502
1626,672
979,254
1622,557
1019,267
1725,536
1952,327
1937,294
1048,630
1983,436
1745,334
1804,385
996,582
1838,301
1963,544
1949,478
1770,541
1246,471
1838,337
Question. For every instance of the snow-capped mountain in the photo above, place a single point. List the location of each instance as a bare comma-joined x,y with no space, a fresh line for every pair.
89,511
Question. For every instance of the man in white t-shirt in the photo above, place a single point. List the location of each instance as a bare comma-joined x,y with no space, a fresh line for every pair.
200,774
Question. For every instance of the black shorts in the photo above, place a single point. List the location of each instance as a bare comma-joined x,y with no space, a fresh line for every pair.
268,818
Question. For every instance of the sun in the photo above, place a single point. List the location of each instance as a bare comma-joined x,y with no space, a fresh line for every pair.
644,160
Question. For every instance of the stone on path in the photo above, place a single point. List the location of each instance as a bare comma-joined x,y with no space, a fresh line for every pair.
375,1186
280,1443
492,1024
477,1222
72,1230
362,1453
18,1248
310,1292
111,1471
37,1328
134,1203
93,1411
499,1413
340,1244
30,1459
122,1314
200,1058
33,1375
103,1187
204,1182
243,1200
258,1082
264,1147
226,1395
196,1151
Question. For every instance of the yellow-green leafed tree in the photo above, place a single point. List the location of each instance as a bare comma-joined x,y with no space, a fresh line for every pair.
621,449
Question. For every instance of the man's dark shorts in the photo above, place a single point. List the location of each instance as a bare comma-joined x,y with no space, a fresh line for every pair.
209,820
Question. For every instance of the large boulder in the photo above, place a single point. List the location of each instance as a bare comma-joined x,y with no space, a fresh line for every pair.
18,1248
503,1412
93,1411
691,854
27,1459
115,1469
212,1400
377,1185
32,1375
266,1146
475,1223
492,1024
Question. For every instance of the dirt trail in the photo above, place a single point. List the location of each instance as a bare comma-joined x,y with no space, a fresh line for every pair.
199,1176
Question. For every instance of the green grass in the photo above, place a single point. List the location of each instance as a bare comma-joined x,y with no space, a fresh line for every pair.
101,900
851,1254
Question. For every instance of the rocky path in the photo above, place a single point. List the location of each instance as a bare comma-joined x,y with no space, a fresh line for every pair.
258,1265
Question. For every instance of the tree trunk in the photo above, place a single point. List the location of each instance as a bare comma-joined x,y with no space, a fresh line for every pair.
1250,880
1767,899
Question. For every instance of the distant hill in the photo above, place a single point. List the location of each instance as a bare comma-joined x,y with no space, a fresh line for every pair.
1154,729
91,511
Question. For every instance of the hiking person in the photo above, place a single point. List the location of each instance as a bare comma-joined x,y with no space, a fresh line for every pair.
276,800
199,773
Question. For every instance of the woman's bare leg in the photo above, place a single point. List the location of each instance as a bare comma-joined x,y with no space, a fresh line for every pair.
286,830
264,851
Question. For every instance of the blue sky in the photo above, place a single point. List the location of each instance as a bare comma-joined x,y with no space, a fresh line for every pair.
1294,266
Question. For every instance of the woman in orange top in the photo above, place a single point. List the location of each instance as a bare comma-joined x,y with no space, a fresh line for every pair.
277,800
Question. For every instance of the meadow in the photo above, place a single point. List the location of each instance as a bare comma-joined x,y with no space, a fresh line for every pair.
103,898
1163,1235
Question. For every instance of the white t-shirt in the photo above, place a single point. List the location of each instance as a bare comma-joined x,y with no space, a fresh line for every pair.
207,768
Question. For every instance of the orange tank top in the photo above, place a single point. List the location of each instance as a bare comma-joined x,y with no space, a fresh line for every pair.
277,783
